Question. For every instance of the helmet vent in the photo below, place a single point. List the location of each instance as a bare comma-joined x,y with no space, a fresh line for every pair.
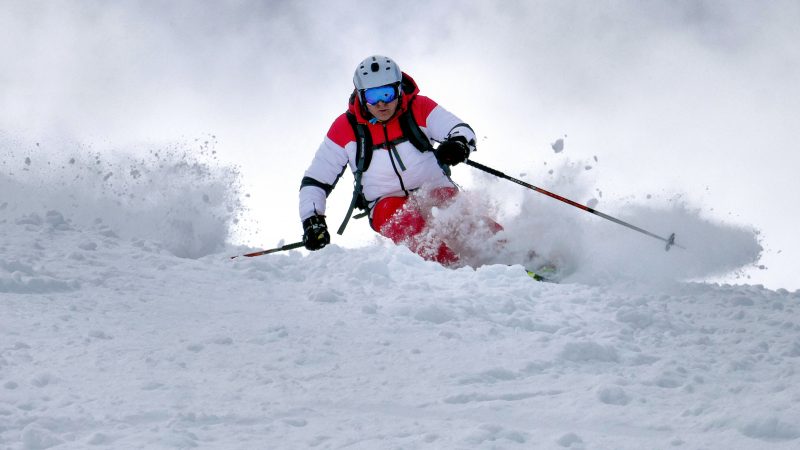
375,71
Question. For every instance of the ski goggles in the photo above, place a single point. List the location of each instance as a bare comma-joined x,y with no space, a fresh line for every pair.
385,94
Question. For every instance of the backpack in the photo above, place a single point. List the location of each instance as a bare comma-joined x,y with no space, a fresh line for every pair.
364,148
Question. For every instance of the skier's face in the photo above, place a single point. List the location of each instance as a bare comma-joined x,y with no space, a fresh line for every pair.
383,111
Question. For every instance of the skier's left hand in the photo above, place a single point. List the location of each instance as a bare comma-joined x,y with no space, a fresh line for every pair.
452,151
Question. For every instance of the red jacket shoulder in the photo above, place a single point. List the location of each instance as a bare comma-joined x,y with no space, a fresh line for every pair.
422,108
341,132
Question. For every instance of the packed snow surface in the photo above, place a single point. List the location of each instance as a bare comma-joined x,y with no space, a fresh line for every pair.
124,324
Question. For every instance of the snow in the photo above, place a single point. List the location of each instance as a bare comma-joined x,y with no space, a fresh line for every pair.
124,324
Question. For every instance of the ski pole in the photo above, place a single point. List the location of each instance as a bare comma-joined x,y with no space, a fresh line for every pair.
670,240
272,250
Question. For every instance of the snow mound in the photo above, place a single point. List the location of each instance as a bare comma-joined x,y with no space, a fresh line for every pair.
374,347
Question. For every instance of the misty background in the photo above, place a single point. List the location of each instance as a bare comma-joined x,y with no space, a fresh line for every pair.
695,102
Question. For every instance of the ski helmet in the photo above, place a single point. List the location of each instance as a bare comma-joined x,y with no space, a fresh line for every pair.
376,71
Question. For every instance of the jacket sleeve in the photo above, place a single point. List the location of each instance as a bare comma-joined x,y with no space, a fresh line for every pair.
439,122
326,168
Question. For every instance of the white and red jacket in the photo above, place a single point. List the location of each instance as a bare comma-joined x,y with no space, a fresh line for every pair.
397,167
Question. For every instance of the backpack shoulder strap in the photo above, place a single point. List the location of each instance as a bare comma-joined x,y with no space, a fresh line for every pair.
363,143
412,131
363,158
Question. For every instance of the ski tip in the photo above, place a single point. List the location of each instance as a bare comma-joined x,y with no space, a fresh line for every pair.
539,277
535,275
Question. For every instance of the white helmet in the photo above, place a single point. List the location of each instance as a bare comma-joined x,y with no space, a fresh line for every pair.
376,71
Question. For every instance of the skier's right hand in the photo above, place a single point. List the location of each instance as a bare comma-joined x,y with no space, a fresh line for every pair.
315,233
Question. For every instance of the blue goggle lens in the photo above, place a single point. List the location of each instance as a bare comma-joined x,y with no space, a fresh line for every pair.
384,94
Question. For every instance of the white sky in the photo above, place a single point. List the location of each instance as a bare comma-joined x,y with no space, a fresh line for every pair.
693,98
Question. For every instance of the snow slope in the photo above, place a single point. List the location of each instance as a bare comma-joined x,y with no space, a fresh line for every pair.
123,324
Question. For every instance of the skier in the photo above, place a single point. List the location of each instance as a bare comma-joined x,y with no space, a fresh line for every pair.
401,175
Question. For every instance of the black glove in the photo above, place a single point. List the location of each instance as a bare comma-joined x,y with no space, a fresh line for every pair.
452,151
315,233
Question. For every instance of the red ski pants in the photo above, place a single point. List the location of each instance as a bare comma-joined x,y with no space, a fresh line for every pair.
401,220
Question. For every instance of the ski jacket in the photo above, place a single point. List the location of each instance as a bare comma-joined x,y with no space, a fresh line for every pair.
397,167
